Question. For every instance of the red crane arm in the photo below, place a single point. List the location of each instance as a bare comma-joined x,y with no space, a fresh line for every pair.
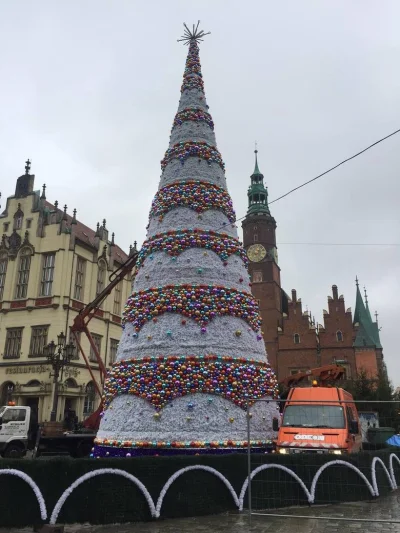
323,373
86,314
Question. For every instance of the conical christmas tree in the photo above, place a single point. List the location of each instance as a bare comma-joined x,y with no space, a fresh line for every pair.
191,352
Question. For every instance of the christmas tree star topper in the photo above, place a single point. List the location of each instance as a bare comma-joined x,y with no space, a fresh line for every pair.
192,35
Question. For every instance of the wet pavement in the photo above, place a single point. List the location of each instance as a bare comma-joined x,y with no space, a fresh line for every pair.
384,509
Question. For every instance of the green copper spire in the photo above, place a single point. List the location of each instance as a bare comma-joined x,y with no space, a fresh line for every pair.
368,332
256,169
257,193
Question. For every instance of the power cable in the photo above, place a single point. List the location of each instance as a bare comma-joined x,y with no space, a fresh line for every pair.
336,166
326,172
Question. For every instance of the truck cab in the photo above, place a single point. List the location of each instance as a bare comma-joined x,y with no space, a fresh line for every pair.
319,420
14,430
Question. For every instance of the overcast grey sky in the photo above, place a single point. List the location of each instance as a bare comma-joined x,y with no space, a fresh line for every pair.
89,89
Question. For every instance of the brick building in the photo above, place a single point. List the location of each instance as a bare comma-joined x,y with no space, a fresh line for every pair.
294,341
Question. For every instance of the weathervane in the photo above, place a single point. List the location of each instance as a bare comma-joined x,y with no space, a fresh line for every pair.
192,35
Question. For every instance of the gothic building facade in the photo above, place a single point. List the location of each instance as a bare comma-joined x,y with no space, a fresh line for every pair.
294,340
51,265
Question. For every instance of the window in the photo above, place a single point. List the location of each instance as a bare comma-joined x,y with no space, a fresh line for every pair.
257,276
18,222
97,342
72,340
14,415
23,274
113,350
117,299
12,349
339,336
296,338
314,416
297,370
255,237
47,274
33,383
3,272
80,279
28,223
38,340
101,276
6,225
88,404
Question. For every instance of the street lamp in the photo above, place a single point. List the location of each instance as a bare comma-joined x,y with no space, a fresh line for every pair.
58,356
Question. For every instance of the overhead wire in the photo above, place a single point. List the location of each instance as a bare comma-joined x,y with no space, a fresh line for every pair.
326,172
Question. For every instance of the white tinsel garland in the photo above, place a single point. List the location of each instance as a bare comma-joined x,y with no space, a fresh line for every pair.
155,510
99,472
267,467
188,469
342,463
32,484
373,474
391,469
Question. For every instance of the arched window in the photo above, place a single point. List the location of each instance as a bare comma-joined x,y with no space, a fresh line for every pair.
33,383
70,383
24,266
339,336
296,338
18,218
88,404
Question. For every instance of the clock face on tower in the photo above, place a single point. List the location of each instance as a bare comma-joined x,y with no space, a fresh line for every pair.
256,252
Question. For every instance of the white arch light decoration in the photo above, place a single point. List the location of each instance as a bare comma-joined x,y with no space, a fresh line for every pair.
391,469
267,467
178,473
155,510
373,475
32,484
100,472
343,463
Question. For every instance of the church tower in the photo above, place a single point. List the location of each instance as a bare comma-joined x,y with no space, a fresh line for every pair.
259,240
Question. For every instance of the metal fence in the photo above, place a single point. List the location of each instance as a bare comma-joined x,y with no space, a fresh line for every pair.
327,454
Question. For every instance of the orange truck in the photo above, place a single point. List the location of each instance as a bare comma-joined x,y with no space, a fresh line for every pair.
319,420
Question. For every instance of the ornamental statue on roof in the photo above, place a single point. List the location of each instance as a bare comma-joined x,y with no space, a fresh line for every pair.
192,354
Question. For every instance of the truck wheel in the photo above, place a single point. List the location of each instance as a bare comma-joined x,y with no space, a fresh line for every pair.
13,451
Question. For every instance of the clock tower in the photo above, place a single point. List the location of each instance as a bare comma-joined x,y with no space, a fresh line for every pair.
259,240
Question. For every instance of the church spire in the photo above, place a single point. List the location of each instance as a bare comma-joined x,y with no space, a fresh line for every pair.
257,192
367,332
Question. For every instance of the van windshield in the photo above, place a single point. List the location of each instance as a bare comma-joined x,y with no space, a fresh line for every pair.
314,416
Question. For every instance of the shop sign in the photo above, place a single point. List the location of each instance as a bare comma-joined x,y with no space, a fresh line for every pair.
32,369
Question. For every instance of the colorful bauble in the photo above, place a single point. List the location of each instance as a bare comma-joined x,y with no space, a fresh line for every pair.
192,77
143,444
193,82
193,115
175,242
200,149
200,302
196,195
159,380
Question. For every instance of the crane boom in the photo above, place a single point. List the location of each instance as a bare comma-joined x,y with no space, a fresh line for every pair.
81,322
327,373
